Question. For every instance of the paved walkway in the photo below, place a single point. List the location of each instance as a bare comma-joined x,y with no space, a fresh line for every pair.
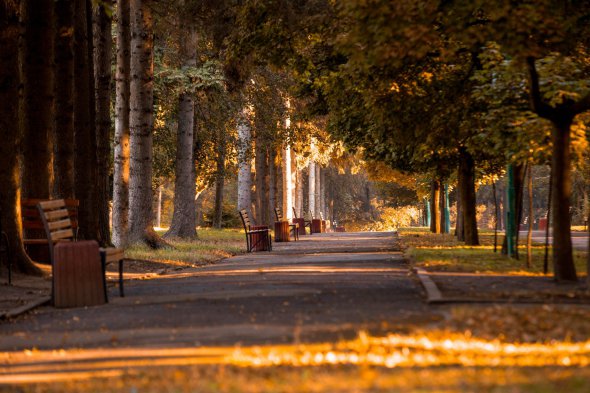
326,286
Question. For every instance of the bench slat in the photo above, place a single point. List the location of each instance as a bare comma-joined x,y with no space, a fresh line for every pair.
63,234
59,224
56,215
53,204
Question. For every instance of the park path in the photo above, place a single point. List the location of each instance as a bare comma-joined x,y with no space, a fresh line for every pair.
326,286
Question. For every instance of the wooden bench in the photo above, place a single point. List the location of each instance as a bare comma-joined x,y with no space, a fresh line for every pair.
257,237
58,226
302,223
35,236
293,227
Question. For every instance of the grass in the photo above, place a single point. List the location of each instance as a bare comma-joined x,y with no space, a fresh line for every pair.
211,246
445,253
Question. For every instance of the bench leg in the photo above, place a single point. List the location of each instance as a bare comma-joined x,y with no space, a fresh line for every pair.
103,263
121,291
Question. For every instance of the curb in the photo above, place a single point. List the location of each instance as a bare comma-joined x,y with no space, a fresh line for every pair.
25,308
433,294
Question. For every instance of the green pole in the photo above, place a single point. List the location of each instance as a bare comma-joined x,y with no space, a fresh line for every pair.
427,213
510,212
447,211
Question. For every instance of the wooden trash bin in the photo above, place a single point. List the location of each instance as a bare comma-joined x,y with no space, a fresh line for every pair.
259,240
282,231
301,222
316,225
78,275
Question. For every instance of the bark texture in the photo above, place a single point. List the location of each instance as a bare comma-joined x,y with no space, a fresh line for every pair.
244,165
85,131
299,192
38,98
435,224
184,218
261,162
141,218
467,195
318,188
121,164
63,162
287,208
219,183
311,187
10,214
102,93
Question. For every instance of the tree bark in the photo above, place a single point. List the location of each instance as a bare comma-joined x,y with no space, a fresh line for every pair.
102,87
10,175
141,217
318,187
298,192
219,183
85,131
38,98
311,186
519,171
435,224
563,260
468,199
287,207
272,182
121,164
323,193
496,220
529,238
184,219
261,180
441,209
244,165
459,228
63,162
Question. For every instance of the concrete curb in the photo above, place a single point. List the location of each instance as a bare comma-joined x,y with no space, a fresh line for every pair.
433,294
25,308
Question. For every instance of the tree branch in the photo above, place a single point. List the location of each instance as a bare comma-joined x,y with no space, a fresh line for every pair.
582,105
539,107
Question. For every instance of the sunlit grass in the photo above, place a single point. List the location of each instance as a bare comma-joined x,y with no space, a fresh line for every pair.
442,252
212,245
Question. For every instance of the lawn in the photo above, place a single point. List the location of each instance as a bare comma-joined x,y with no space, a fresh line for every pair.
444,253
212,245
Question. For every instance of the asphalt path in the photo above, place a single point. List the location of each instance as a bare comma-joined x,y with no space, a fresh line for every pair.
323,287
579,239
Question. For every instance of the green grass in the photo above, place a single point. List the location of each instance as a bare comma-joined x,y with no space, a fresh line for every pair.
445,253
212,245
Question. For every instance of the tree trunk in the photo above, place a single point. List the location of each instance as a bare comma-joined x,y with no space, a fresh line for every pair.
121,164
63,163
244,165
102,85
141,216
435,223
529,238
298,192
261,180
318,187
563,261
85,131
311,185
519,171
323,193
184,219
10,176
272,183
38,98
219,183
459,228
287,207
549,201
441,209
467,195
496,221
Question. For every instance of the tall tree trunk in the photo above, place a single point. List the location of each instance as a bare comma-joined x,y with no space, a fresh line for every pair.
323,193
219,183
298,192
287,207
121,164
548,225
38,98
244,164
519,171
467,195
529,238
63,163
563,260
459,228
102,85
496,220
441,208
318,187
435,223
85,131
141,216
311,185
10,175
272,182
184,219
261,179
